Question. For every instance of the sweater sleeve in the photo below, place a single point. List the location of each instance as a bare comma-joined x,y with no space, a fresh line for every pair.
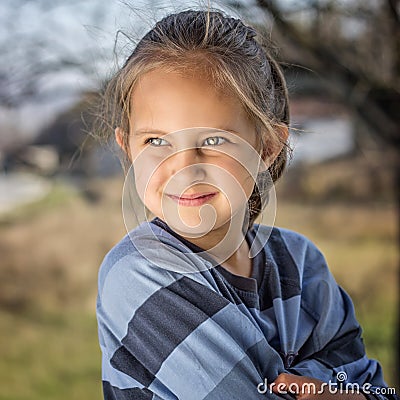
169,336
335,352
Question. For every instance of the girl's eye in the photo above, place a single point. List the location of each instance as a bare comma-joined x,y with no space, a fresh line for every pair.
156,141
214,141
211,141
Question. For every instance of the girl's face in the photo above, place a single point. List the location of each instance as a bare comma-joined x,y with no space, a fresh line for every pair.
193,152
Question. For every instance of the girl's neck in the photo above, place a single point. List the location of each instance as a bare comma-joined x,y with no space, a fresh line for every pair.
239,263
228,246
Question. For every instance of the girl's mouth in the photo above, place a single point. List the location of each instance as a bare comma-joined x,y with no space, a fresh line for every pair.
193,199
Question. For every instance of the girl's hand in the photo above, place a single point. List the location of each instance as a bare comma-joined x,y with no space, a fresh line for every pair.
306,388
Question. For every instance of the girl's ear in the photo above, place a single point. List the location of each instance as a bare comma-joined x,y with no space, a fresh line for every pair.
270,153
119,137
122,139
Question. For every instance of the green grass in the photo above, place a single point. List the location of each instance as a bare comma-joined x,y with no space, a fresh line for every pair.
48,355
379,328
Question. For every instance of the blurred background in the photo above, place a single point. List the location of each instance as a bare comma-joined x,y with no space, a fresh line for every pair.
60,190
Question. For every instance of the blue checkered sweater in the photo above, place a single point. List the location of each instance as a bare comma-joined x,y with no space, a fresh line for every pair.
211,334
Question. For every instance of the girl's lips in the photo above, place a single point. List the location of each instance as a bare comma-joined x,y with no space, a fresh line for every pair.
192,199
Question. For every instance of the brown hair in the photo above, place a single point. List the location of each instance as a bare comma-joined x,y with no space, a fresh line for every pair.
226,51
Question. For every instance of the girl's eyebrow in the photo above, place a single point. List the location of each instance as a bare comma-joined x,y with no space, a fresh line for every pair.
145,131
141,132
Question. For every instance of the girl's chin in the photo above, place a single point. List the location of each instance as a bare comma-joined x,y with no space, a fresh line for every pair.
194,228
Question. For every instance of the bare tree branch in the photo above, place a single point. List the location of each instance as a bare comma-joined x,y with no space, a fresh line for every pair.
394,6
369,102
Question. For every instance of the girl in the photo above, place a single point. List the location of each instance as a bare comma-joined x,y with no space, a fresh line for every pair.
201,302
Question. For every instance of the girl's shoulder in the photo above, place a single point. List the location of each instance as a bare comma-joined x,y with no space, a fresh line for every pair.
275,238
292,251
149,253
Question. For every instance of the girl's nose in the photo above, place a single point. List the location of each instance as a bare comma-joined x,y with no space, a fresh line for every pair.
186,165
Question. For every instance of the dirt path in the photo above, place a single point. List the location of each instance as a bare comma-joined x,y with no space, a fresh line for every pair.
21,188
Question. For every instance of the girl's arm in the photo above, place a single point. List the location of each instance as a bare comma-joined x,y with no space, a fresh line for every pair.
334,352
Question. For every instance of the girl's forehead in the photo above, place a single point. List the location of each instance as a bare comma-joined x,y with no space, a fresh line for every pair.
189,82
171,101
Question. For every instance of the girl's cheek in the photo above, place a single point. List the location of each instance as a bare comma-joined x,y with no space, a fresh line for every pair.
152,182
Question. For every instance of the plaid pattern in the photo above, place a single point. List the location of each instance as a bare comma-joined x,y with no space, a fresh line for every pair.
169,335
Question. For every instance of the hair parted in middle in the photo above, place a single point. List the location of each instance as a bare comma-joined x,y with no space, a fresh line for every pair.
227,53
